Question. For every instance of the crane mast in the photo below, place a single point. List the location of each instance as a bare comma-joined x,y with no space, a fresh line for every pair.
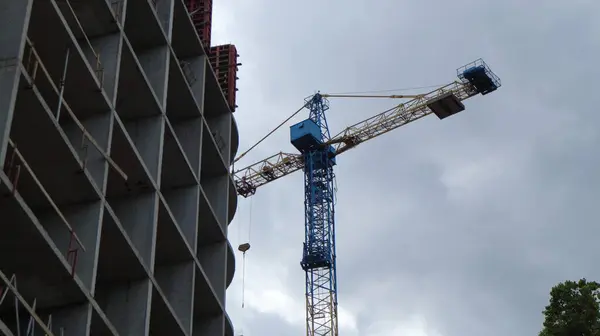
318,152
318,256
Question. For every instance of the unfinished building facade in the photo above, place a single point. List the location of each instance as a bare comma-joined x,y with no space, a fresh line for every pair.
116,143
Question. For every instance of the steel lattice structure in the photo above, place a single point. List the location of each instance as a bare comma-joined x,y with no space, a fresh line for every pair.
318,152
318,257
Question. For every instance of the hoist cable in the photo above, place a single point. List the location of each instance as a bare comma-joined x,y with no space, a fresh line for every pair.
250,219
269,134
243,276
390,90
244,253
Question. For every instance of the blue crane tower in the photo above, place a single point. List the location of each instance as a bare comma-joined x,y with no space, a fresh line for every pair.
318,152
318,257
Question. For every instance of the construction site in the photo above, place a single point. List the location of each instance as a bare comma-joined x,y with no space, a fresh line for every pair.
117,145
116,137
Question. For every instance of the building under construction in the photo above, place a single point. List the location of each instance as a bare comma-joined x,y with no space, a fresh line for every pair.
116,138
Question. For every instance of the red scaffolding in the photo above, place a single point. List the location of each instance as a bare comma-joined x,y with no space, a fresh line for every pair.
224,61
201,14
223,58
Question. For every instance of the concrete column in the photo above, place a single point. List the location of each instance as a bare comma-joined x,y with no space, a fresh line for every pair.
177,283
164,12
214,176
216,191
147,135
197,66
155,63
209,326
108,49
189,133
212,258
128,307
138,215
220,129
183,203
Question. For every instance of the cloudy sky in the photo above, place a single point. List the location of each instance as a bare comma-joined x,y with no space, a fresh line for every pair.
450,228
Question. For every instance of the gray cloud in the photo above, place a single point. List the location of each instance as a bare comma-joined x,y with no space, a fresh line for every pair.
465,223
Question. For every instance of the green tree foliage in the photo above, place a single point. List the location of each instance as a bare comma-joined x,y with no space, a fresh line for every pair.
574,310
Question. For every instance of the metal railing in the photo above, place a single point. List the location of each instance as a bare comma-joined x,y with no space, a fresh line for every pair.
32,65
17,161
9,285
99,70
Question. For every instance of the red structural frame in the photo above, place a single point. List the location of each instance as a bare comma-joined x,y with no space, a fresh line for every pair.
224,61
223,58
202,18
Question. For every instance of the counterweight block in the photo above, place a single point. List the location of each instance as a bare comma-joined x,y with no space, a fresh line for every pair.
445,105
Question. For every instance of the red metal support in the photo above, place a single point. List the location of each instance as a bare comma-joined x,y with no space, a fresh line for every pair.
9,170
15,180
11,163
72,252
201,14
224,61
84,149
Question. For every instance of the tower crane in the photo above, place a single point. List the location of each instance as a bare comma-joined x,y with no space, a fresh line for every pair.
317,157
